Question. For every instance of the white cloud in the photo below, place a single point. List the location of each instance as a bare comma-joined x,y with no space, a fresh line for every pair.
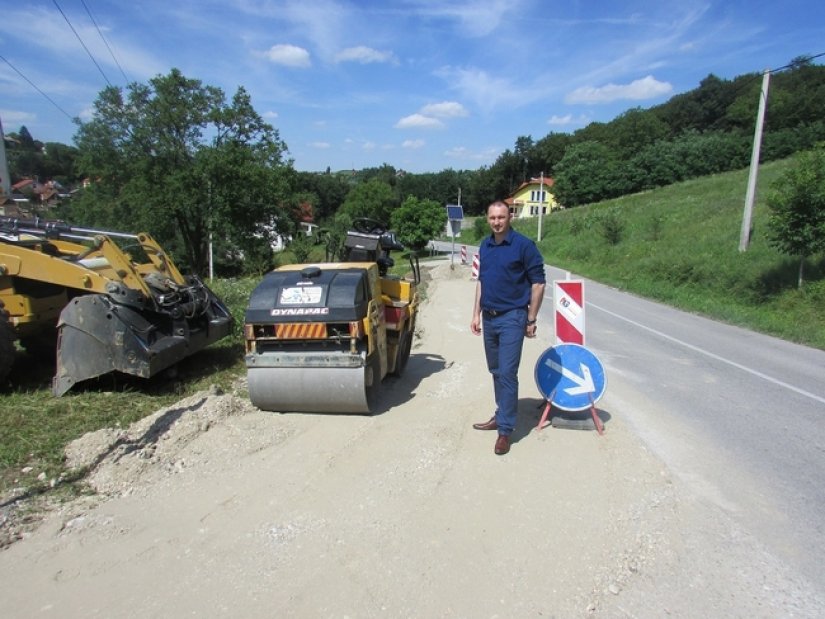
320,145
486,91
464,153
10,117
364,55
560,120
413,144
368,146
445,109
645,88
270,115
289,56
87,113
418,121
429,116
567,119
476,18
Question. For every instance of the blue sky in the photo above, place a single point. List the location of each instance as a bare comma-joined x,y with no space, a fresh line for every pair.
422,85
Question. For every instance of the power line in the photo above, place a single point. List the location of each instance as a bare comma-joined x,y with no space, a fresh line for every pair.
796,64
82,43
32,84
104,40
758,76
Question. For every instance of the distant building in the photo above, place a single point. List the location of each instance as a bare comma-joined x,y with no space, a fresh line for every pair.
530,197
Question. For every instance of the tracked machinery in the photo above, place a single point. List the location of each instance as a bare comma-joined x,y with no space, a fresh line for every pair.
101,301
322,337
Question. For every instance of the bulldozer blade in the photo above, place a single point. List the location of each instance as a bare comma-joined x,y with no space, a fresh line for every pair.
97,336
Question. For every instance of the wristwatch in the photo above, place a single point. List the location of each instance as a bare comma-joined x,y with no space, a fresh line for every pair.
531,322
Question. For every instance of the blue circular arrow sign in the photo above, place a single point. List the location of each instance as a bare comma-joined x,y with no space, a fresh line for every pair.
570,377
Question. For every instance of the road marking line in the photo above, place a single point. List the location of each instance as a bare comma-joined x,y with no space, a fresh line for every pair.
713,355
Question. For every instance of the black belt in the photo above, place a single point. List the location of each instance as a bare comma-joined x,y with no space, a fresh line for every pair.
492,312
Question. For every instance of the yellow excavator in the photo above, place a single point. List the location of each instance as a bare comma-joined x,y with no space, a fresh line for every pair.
101,301
322,337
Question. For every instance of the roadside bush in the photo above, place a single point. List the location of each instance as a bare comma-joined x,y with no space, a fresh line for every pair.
480,227
235,292
578,223
656,224
608,223
301,247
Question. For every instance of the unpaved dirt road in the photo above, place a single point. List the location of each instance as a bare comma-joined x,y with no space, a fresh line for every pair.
212,508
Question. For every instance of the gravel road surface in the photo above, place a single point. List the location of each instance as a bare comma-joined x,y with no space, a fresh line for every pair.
212,508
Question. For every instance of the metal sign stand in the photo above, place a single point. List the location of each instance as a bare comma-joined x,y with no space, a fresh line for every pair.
548,409
570,377
455,214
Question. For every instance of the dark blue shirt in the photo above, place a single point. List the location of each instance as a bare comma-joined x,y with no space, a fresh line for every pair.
508,271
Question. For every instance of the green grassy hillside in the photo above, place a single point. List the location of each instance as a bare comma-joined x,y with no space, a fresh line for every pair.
680,245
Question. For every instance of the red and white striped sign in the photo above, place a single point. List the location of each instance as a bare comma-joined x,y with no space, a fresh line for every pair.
568,307
476,266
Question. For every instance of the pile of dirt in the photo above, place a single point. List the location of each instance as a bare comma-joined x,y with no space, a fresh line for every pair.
121,461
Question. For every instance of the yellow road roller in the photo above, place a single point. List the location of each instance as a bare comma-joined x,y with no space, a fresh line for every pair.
322,337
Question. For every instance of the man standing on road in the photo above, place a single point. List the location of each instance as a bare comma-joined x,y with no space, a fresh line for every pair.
509,293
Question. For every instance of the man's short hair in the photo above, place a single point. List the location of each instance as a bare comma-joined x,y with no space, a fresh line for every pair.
497,203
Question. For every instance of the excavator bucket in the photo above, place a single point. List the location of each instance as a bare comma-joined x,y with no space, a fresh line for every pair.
119,302
97,336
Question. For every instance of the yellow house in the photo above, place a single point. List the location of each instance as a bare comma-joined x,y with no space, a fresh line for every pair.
530,197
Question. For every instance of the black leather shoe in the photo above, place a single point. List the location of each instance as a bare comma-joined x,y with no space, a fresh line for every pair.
502,445
487,425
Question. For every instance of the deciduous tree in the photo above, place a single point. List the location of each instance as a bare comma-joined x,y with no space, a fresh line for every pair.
417,222
175,158
797,219
373,199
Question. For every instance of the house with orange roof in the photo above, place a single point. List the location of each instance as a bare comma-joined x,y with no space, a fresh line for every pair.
531,197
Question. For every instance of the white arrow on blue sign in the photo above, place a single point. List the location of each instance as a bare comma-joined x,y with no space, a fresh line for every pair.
570,377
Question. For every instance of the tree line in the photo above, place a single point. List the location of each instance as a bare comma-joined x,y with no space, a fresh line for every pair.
706,130
181,159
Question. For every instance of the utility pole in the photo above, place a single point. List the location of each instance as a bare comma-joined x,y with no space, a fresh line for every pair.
5,179
209,223
541,205
750,195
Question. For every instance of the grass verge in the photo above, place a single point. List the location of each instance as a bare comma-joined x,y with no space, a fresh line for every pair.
680,245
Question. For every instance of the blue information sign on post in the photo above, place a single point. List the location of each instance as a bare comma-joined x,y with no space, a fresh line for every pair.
570,377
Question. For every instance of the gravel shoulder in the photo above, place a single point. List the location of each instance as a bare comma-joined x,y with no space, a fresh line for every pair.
214,508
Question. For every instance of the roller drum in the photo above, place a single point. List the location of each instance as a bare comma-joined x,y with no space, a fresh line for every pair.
313,389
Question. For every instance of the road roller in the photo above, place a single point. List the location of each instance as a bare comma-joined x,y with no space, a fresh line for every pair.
322,337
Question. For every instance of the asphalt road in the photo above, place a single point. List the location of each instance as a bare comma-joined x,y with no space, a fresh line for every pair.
737,415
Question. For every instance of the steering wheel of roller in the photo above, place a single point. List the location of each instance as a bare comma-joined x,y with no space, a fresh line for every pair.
365,225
